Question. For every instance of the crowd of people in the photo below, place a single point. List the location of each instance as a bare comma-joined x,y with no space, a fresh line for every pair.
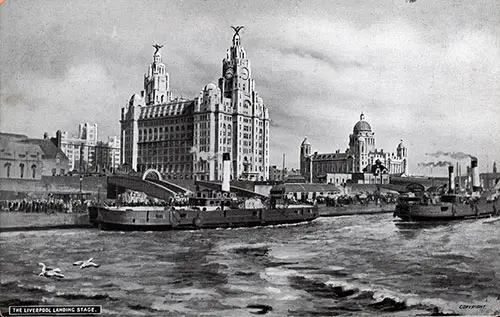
44,205
360,199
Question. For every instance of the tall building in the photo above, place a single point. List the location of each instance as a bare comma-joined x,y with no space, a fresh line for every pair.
88,133
79,151
360,157
186,138
114,151
86,153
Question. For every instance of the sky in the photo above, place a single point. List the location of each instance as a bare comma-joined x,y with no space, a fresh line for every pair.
427,72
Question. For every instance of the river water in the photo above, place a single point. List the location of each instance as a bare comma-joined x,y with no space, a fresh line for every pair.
369,265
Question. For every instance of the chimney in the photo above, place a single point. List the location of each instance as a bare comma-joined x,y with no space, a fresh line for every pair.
58,139
474,174
226,170
451,180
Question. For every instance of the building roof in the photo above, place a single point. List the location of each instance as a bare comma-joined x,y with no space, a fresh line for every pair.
330,156
50,151
174,108
362,125
13,135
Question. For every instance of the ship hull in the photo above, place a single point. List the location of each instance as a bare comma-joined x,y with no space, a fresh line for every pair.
160,219
445,211
358,209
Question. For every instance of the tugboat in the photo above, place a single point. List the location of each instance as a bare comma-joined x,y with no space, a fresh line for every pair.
208,209
419,205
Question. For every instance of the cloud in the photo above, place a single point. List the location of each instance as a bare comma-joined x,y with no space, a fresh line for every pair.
426,73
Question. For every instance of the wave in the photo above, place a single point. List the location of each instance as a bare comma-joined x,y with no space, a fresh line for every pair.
352,296
73,296
142,307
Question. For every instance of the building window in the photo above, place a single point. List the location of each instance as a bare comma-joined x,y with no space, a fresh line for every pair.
21,169
54,171
7,169
33,171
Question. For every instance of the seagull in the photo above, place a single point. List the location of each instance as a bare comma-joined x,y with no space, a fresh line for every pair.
50,272
88,263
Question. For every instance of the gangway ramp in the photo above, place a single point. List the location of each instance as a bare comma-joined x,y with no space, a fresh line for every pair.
234,189
154,188
171,186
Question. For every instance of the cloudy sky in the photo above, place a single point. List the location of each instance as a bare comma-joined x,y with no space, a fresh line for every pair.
427,72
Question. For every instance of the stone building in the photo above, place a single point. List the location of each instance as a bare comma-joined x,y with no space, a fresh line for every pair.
360,158
185,139
30,159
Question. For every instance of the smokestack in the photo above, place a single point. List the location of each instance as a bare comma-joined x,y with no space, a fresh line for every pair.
451,180
283,170
474,174
226,166
467,181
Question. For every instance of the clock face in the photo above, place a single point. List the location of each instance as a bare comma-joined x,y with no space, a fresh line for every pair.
244,73
229,73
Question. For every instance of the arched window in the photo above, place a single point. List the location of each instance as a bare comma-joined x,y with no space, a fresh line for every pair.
21,169
33,171
7,169
150,134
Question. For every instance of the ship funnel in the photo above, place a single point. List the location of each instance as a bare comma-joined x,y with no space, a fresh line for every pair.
474,174
226,172
451,180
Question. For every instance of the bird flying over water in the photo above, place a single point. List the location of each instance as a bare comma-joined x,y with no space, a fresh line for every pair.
88,263
50,272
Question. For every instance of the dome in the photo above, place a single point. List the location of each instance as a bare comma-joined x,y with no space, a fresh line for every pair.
210,86
362,125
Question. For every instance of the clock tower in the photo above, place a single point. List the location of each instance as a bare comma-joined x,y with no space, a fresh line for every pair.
156,81
250,128
236,81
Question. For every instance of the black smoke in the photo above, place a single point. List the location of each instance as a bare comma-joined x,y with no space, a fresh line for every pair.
453,155
435,164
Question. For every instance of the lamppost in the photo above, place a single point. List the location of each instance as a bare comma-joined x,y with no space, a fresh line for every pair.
81,178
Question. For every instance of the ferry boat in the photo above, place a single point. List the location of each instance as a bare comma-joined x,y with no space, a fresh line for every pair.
208,209
418,205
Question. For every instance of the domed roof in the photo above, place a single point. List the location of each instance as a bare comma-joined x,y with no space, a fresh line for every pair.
362,125
210,86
